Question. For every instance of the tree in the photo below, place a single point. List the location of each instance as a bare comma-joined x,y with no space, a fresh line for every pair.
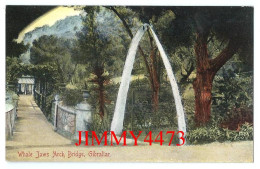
13,69
53,51
198,26
99,51
51,67
13,63
151,58
15,49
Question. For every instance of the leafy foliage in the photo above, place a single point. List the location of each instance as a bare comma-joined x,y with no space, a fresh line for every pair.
15,49
233,95
100,51
211,134
13,69
53,51
71,97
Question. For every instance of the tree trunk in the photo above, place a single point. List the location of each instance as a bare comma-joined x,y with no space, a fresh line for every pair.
155,80
101,100
202,87
100,79
202,84
155,99
206,70
151,69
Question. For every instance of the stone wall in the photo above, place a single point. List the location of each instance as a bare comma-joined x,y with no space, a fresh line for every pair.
11,103
66,121
10,116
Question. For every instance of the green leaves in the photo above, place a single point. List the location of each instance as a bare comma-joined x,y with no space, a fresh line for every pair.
54,53
13,69
71,97
211,134
15,49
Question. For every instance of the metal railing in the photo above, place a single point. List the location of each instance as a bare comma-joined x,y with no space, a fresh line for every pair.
40,100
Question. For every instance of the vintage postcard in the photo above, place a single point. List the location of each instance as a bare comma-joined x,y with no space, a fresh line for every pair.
88,83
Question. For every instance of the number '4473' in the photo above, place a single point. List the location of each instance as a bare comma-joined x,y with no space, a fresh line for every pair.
159,137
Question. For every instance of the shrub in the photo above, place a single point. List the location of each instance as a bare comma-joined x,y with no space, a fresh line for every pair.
207,134
71,97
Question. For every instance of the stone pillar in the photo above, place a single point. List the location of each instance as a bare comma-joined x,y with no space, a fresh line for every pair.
25,89
83,118
55,111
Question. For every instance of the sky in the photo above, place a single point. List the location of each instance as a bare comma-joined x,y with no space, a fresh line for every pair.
48,18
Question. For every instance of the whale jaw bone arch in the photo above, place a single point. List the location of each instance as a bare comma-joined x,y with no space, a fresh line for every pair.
118,118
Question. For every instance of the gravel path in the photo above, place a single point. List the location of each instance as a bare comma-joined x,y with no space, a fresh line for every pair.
35,137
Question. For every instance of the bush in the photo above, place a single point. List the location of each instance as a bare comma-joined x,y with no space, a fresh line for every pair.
232,92
71,97
210,134
245,133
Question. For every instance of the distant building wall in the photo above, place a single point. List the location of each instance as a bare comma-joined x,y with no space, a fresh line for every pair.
26,85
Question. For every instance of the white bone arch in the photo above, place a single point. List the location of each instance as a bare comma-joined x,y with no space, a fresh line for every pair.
118,118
